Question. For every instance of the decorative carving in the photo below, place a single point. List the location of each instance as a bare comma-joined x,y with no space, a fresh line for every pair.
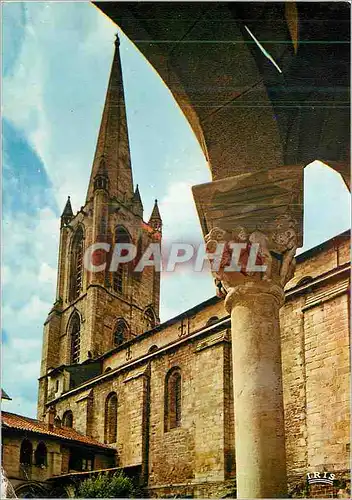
276,248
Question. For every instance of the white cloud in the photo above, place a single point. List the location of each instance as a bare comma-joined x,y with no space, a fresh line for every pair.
184,287
32,97
47,274
28,292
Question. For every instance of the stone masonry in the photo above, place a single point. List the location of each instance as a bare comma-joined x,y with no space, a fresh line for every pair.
83,370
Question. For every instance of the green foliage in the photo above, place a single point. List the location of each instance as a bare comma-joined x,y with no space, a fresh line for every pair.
107,486
299,491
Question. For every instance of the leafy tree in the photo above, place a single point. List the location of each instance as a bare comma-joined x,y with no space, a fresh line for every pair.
107,486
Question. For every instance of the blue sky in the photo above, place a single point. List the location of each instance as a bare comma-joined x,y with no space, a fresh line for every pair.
56,63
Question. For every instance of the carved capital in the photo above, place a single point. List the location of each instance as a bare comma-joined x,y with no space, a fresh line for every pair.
265,254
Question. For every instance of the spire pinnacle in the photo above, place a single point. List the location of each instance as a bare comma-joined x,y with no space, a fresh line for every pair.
113,143
67,213
137,202
155,218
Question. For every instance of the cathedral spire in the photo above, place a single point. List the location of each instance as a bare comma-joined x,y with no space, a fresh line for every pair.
155,218
113,144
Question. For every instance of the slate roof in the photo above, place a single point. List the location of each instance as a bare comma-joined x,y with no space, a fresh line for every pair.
19,422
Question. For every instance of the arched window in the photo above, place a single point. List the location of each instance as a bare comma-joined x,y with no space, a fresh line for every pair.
173,399
150,317
40,455
304,281
111,418
26,452
121,332
75,337
212,320
67,419
76,264
120,276
152,349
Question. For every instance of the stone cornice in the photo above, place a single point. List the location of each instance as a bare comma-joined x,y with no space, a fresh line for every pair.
223,324
342,272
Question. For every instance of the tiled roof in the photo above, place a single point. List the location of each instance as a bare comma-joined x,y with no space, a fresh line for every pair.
13,421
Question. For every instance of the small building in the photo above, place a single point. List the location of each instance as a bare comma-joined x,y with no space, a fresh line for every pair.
34,452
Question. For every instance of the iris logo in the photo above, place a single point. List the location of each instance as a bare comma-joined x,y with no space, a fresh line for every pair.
320,478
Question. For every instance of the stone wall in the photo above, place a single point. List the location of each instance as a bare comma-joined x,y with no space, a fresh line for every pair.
316,363
198,457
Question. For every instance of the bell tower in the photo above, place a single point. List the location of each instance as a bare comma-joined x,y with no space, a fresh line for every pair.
95,312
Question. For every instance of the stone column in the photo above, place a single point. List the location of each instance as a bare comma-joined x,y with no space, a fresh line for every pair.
262,212
258,398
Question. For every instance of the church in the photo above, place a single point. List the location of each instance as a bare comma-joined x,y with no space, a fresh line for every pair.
119,389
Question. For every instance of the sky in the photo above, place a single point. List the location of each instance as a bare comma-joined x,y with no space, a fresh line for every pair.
56,61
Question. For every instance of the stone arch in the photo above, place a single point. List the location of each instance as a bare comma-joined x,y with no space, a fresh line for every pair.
26,452
67,419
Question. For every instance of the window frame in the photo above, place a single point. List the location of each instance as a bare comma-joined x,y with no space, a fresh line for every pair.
75,338
125,330
173,400
64,419
76,268
110,428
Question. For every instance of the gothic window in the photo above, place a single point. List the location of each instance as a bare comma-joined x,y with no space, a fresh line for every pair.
149,315
121,332
26,452
111,418
76,264
67,419
173,399
40,455
75,336
120,276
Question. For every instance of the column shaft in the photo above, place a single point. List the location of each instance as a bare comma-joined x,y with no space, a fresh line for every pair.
258,397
